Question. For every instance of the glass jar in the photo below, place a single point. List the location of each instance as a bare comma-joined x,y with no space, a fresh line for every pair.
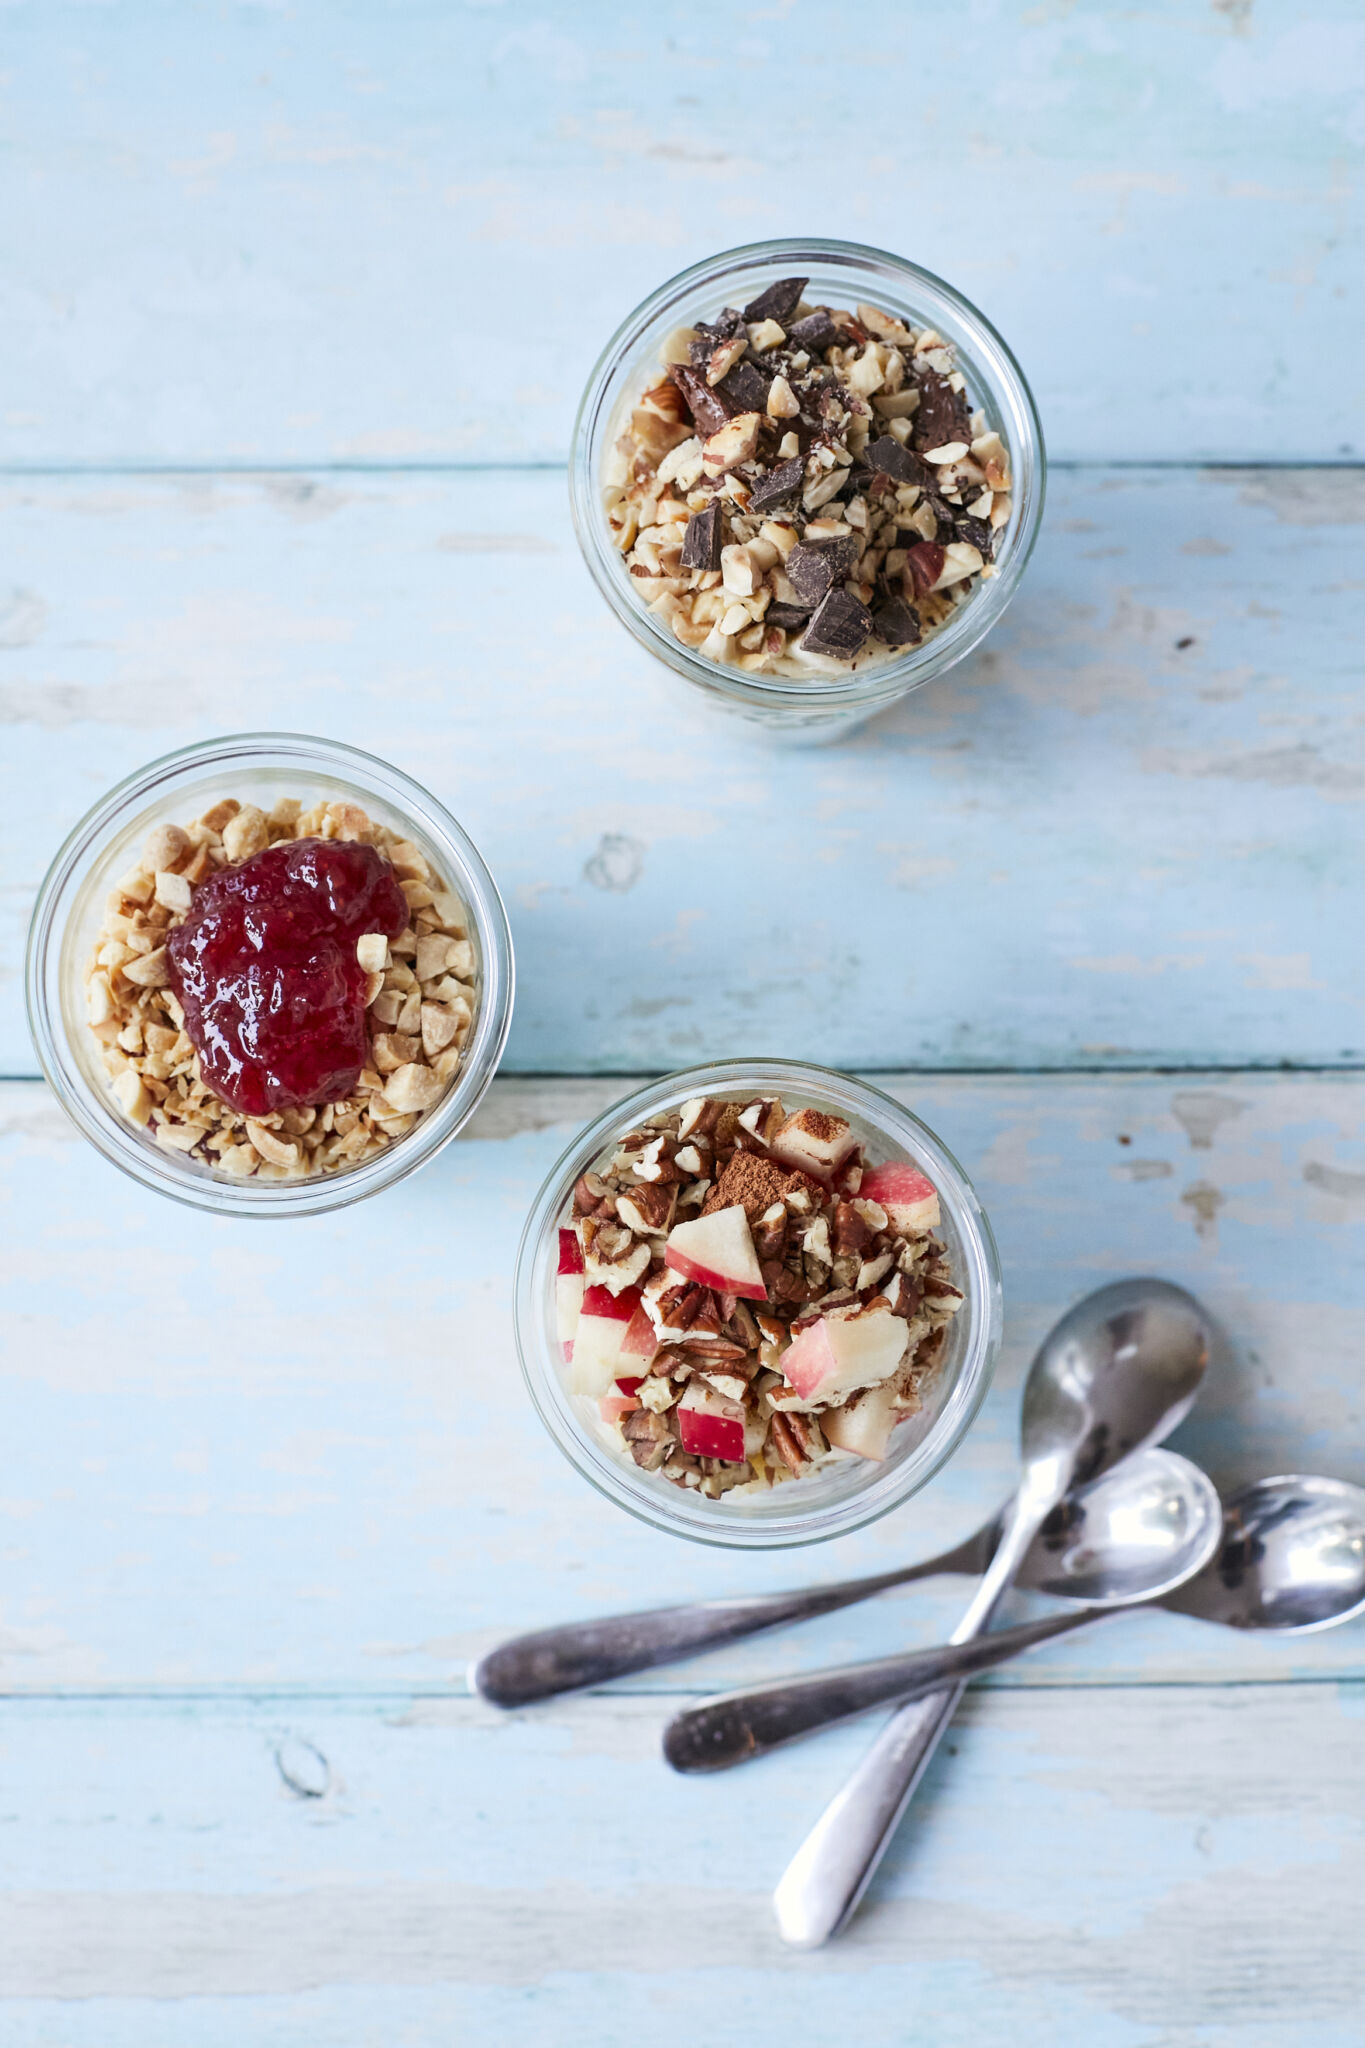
255,768
840,273
834,1498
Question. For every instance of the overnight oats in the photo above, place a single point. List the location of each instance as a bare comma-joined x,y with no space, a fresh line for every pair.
751,1299
806,488
280,993
807,476
269,975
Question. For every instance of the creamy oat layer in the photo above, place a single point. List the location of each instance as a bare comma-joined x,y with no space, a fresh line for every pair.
419,993
745,1299
807,492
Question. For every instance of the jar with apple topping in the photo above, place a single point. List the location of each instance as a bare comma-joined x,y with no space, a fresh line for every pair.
758,1303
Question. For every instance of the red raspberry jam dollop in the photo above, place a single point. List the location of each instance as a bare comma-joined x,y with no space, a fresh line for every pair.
265,969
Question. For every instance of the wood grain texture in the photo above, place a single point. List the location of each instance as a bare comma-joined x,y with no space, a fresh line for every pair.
231,233
1153,1869
303,1458
1129,832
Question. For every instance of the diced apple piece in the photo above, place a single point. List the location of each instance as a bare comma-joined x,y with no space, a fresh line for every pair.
910,1201
865,1424
569,1288
816,1142
570,1252
717,1251
641,1339
602,1324
845,1350
612,1407
709,1426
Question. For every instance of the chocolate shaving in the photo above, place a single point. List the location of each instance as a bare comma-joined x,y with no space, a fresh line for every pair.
943,413
702,540
746,387
815,566
895,624
887,455
980,534
840,626
814,334
709,409
777,485
778,301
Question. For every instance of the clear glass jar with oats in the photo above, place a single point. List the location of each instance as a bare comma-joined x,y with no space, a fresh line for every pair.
269,975
807,476
757,1303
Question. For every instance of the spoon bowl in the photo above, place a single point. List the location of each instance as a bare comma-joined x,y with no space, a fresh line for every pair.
1292,1559
1132,1535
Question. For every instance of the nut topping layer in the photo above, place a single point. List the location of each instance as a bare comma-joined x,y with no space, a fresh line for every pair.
745,1299
419,992
807,490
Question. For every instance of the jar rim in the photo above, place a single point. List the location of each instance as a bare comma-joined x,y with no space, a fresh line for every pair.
70,872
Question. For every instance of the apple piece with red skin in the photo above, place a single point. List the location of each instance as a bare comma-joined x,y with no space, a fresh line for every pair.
709,1426
843,1352
717,1251
910,1201
641,1339
865,1424
814,1141
612,1407
602,1325
568,1289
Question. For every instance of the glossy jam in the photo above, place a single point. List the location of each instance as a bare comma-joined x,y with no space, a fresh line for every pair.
265,970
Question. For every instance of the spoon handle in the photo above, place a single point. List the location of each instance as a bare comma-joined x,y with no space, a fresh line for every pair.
555,1660
822,1885
741,1725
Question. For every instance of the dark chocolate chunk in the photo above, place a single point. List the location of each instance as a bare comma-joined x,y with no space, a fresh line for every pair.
980,535
943,414
709,409
813,566
790,617
777,301
746,387
778,485
839,627
701,542
887,455
724,327
814,334
896,623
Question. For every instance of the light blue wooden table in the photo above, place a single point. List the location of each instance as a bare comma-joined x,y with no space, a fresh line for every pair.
295,304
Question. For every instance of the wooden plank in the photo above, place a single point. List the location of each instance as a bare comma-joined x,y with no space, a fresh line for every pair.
304,1457
1127,833
1173,1866
405,233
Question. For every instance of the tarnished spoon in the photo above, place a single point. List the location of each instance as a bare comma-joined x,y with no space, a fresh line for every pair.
1290,1560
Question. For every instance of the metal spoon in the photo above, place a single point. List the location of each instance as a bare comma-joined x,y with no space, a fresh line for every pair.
582,1653
1118,1373
1290,1560
1131,1538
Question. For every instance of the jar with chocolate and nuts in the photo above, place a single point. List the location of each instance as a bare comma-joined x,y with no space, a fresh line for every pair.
813,493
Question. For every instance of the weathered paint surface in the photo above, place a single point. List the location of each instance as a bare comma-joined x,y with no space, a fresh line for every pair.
262,1495
1173,1866
1128,832
403,233
304,1457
